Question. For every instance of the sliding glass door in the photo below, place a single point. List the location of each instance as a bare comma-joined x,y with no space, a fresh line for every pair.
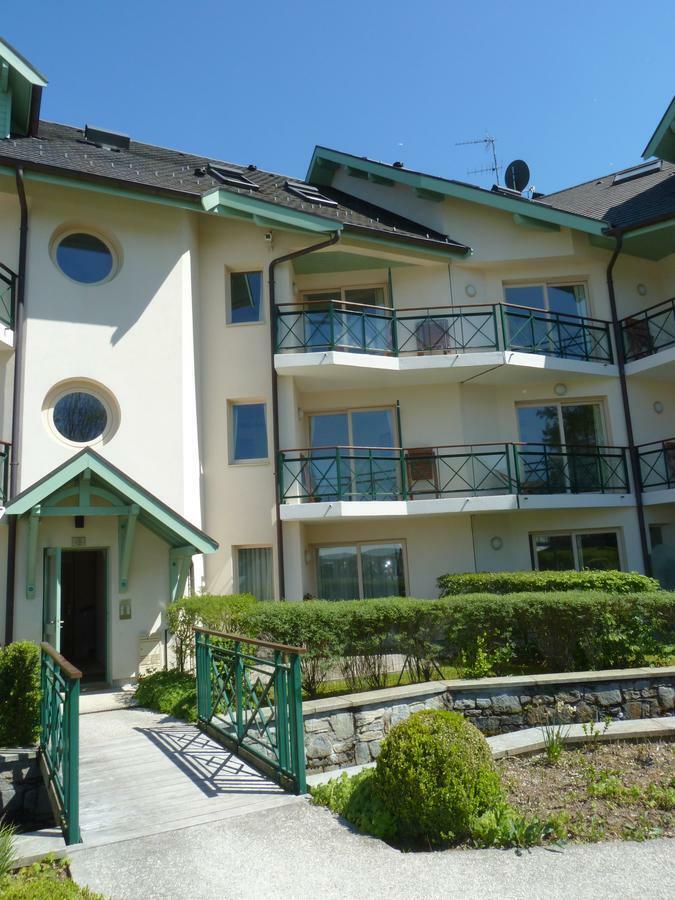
360,571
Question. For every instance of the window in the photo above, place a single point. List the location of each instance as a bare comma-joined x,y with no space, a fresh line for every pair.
231,177
655,535
592,550
84,257
80,412
308,192
340,318
358,571
654,165
249,432
569,299
254,572
245,297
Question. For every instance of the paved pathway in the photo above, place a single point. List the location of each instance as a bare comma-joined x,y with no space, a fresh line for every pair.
142,773
301,851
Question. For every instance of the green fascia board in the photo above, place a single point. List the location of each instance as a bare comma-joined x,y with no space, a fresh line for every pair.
380,179
426,194
653,242
410,248
461,191
662,142
155,515
21,65
221,202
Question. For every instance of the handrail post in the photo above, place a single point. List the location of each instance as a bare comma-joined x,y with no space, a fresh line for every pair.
239,689
394,332
281,710
72,728
404,474
297,726
331,326
338,472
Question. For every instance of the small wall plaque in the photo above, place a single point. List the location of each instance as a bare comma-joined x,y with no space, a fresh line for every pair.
125,609
79,541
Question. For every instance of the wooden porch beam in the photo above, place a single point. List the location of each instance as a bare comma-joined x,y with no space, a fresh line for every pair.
127,529
32,549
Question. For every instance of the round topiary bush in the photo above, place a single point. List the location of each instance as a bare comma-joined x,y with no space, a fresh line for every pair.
435,774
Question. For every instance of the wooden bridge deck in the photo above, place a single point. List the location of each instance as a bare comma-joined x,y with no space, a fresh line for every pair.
143,773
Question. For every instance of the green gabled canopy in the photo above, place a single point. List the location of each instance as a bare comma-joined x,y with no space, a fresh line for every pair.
111,486
662,142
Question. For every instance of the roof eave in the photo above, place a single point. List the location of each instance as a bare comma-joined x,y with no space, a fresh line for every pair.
662,142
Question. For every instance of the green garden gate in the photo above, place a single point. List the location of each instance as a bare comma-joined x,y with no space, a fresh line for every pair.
249,697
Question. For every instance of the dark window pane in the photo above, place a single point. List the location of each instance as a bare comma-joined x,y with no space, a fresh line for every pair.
553,552
567,298
372,296
526,295
245,297
382,570
582,423
337,573
80,417
539,425
84,258
598,551
250,432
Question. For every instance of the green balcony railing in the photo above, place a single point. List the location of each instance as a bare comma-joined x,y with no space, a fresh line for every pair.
649,331
5,454
356,328
8,281
249,696
329,474
59,737
657,465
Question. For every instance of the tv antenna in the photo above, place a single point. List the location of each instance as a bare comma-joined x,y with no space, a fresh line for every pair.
489,143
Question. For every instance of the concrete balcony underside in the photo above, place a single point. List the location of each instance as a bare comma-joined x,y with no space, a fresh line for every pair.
659,366
379,509
658,497
336,368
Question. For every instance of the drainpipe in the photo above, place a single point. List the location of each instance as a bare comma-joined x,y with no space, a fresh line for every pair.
17,387
333,239
632,450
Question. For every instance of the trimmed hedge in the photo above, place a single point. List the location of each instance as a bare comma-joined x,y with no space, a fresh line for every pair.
19,694
611,581
483,634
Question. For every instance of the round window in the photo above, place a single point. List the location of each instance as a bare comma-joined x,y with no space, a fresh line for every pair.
84,258
80,417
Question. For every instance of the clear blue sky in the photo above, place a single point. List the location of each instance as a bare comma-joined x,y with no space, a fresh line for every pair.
575,88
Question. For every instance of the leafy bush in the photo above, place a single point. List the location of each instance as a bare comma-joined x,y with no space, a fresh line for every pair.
435,775
45,880
173,693
610,581
208,611
19,694
503,826
356,799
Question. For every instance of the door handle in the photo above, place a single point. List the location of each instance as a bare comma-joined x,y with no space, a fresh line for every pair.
53,622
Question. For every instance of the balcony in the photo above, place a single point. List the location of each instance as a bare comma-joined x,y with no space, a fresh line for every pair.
7,296
445,479
5,450
649,331
657,469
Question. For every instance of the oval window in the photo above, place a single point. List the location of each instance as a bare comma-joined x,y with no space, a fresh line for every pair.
80,417
84,258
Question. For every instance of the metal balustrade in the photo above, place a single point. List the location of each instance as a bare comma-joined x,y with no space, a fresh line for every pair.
8,281
314,326
249,696
329,474
657,465
5,451
59,737
649,331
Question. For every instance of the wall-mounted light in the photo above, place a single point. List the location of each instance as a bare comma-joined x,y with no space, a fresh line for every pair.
642,289
496,543
560,389
658,407
308,556
470,290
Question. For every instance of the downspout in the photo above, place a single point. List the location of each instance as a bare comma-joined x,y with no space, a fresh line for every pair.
17,389
334,238
632,450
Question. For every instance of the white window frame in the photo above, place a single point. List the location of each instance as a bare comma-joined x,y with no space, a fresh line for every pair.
573,533
310,414
359,570
551,283
350,287
228,296
573,401
252,401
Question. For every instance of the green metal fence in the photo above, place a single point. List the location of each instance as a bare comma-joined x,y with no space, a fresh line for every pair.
329,474
649,331
7,295
249,696
358,328
59,737
657,465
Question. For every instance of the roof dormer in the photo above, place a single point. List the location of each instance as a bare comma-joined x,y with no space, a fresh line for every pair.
20,93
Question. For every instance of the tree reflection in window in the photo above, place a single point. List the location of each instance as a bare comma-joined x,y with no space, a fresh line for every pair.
80,417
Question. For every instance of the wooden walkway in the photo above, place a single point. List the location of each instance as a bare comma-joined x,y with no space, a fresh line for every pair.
144,773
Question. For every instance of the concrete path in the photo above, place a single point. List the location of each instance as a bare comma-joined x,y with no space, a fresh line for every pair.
301,851
142,773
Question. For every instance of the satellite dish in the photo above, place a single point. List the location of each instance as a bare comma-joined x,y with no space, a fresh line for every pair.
517,175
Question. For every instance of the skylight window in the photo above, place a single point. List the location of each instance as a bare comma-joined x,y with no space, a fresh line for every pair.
647,168
232,177
309,193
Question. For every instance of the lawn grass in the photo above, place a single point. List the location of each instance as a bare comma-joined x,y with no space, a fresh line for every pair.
45,880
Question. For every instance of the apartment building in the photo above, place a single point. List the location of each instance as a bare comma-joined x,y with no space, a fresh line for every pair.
218,378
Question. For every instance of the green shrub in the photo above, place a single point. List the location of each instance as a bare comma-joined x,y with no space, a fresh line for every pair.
435,774
45,880
611,582
209,611
503,826
355,798
19,694
173,693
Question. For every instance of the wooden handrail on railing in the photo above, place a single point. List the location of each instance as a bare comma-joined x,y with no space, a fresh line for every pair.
67,668
242,639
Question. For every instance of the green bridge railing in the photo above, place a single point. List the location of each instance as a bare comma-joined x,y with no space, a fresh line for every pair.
358,328
59,737
249,697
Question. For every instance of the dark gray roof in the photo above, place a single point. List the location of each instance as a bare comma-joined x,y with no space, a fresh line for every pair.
630,203
63,149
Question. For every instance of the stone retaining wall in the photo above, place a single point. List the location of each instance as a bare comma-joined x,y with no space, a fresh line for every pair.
348,730
23,797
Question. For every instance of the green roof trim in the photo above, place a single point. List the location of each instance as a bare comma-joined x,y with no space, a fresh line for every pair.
156,516
324,160
226,203
21,65
662,142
